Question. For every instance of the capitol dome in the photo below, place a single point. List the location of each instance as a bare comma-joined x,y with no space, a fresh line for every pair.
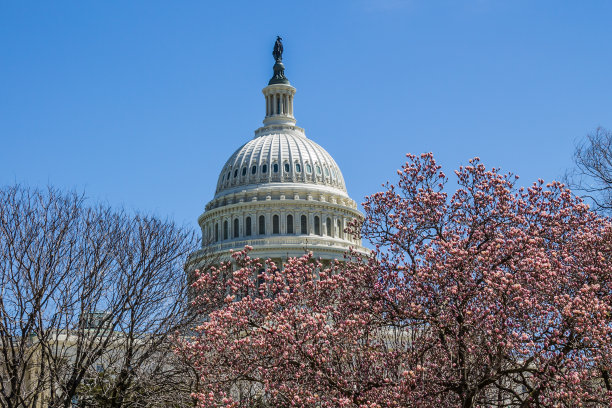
280,156
280,192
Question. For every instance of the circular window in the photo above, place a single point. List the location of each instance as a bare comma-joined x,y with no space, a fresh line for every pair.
298,168
264,168
287,169
308,168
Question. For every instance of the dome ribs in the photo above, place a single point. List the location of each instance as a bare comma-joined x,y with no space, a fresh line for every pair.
279,146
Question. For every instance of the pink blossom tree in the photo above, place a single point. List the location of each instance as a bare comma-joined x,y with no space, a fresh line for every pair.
494,296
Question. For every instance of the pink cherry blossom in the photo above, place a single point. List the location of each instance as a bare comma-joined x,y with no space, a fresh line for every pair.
488,296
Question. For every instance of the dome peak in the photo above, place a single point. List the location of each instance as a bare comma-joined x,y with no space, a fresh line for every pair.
279,93
279,68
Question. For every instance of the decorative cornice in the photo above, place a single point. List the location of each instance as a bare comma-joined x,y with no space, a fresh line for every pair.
277,129
334,247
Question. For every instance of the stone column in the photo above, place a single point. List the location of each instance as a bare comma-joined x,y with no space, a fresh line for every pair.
335,233
282,228
311,229
274,105
285,104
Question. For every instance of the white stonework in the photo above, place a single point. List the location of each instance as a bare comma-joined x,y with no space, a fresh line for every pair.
280,193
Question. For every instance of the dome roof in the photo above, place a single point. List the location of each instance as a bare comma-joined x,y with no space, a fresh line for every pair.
281,155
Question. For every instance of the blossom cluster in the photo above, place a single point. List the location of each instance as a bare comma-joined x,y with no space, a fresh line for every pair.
493,295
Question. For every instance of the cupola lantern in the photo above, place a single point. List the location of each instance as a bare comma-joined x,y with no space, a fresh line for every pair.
279,92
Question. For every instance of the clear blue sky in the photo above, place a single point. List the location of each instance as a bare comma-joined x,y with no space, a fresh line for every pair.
140,103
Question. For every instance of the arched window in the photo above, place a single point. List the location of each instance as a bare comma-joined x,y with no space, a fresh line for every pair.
253,169
236,229
217,232
229,173
264,168
275,224
225,229
262,225
308,168
244,171
289,224
340,232
248,227
304,224
287,168
275,167
328,226
317,226
326,172
318,170
298,168
235,173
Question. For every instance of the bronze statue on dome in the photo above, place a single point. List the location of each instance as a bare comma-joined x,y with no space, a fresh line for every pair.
279,68
278,49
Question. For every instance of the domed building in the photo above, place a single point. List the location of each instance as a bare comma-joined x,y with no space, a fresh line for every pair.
280,192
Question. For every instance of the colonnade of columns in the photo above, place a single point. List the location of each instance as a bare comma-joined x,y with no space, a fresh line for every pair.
279,103
250,226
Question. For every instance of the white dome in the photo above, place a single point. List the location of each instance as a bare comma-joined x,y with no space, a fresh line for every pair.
280,193
279,156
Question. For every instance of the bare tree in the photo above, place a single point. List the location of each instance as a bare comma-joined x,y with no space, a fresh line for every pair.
592,174
37,244
90,297
140,369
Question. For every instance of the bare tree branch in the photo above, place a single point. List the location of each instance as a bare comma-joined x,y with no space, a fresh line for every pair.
89,300
592,175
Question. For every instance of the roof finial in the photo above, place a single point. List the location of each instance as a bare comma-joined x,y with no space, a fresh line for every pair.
279,68
278,49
